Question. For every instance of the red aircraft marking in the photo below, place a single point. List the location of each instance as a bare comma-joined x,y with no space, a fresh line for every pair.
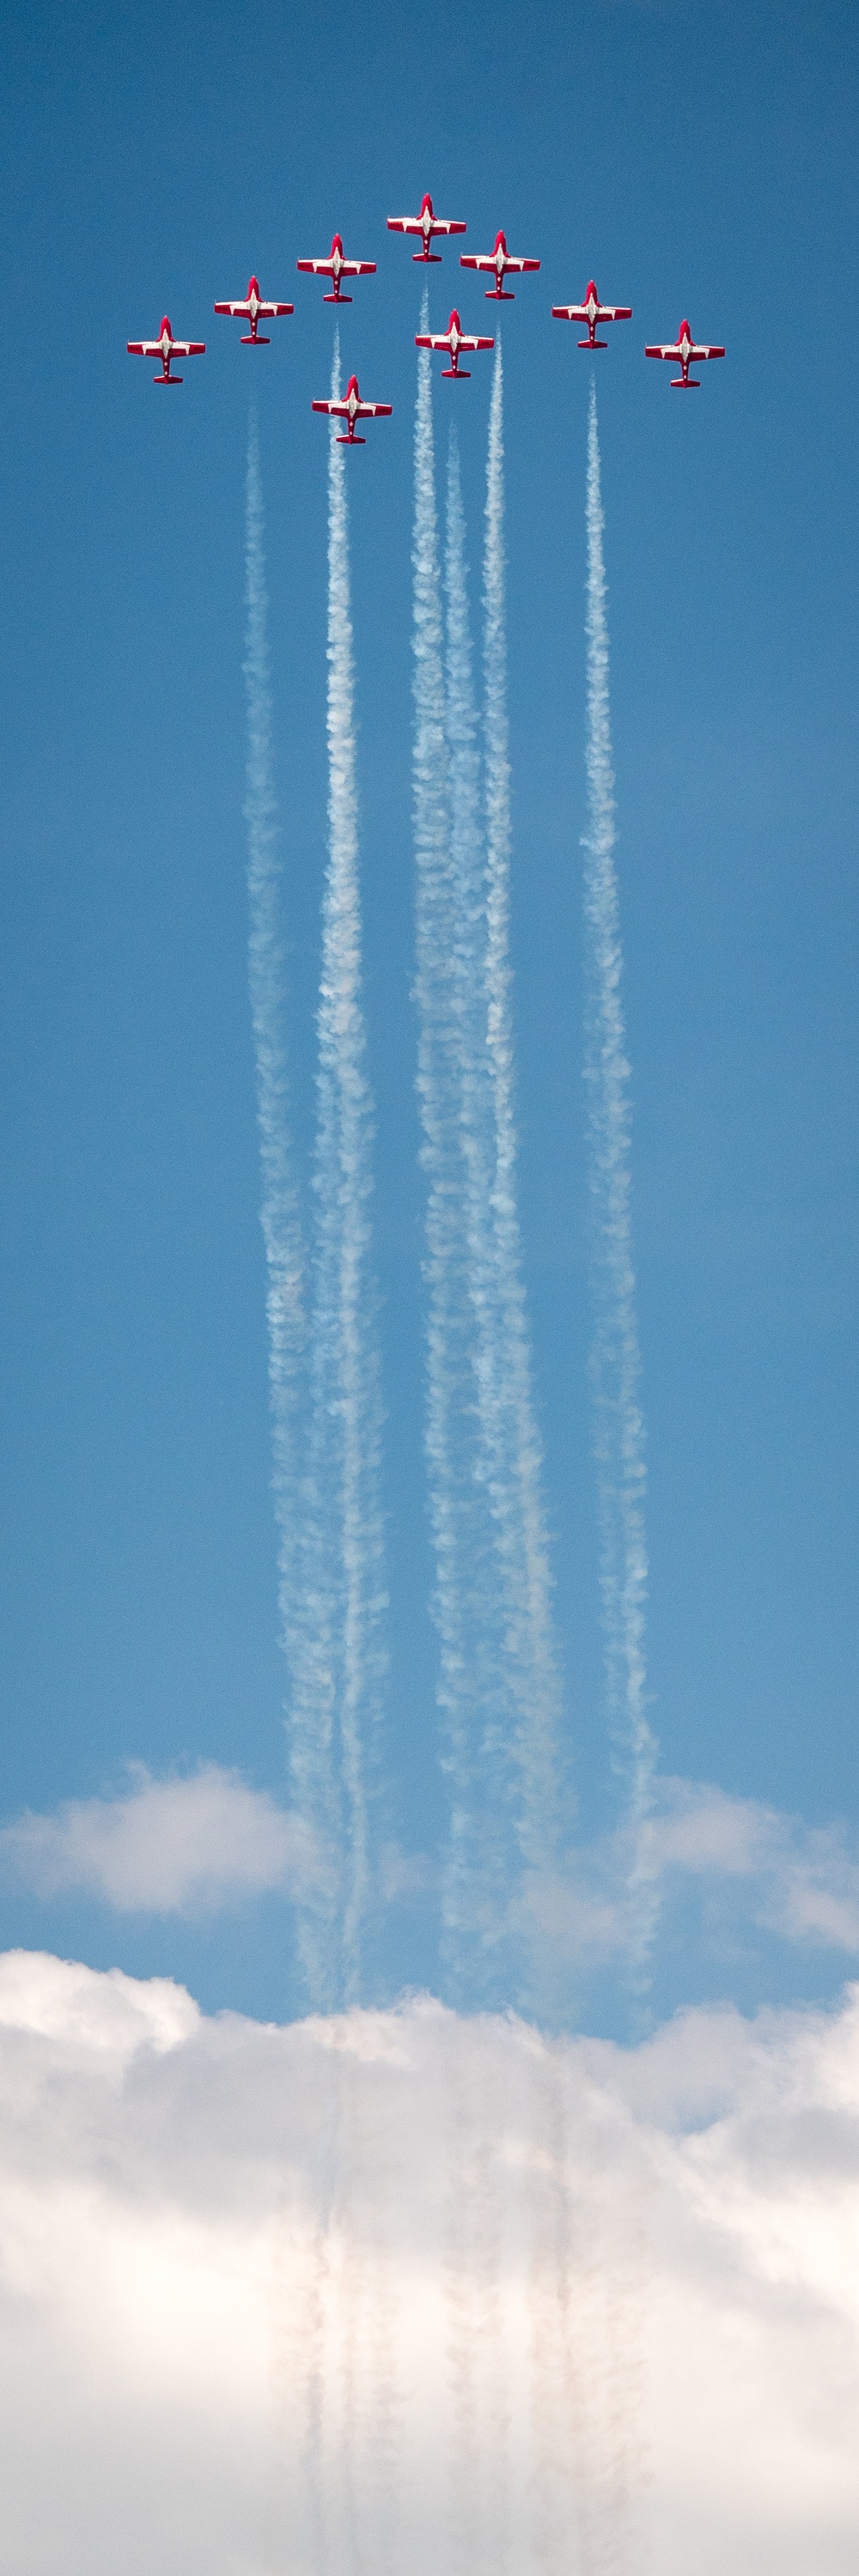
453,340
337,267
427,225
166,348
592,311
685,352
503,266
350,409
252,309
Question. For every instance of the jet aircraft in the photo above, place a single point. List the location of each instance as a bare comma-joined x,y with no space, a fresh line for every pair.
685,352
453,339
252,309
498,260
428,225
350,409
337,267
166,348
592,312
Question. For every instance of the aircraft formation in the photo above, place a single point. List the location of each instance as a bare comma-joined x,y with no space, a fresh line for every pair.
426,228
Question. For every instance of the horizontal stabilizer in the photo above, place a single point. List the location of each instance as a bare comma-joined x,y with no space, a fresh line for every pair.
255,340
427,255
346,441
459,374
168,380
337,299
593,344
685,384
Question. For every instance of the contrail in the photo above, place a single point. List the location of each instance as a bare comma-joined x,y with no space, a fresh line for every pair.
518,1471
281,1221
491,1711
450,1395
348,1665
615,1366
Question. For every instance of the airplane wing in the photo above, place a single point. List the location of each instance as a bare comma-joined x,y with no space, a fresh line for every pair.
615,313
143,348
374,411
186,348
569,312
438,340
711,352
316,267
336,410
666,351
410,224
358,268
470,344
242,309
475,259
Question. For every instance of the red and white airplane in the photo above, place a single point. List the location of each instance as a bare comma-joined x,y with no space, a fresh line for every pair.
592,312
166,348
336,267
453,339
428,225
685,352
497,259
252,309
350,409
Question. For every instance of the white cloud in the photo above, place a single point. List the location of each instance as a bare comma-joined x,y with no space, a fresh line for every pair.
175,1846
464,2295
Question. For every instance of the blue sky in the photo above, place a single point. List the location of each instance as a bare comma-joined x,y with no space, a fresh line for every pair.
696,161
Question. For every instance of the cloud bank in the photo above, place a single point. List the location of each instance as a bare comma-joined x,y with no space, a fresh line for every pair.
403,2289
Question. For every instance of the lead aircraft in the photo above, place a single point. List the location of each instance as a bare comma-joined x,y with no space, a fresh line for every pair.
685,352
592,312
453,339
503,266
428,226
252,309
350,408
166,348
337,267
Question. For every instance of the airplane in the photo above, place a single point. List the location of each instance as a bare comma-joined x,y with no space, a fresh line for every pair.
350,409
427,224
498,260
592,312
336,267
453,339
685,351
165,348
252,309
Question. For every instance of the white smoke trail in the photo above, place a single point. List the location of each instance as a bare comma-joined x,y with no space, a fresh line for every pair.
615,1367
345,1596
491,1710
450,1387
518,1469
281,1221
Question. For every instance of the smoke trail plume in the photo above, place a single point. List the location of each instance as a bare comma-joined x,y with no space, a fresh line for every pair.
281,1223
615,1369
347,1603
517,1471
449,1381
490,1705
